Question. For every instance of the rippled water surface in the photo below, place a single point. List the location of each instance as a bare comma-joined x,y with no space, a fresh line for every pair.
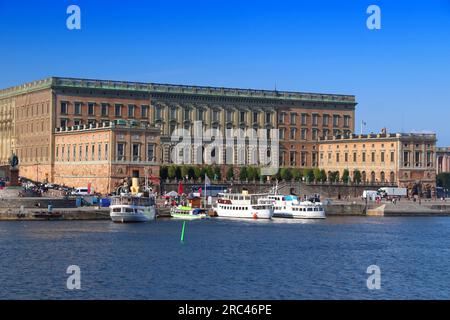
227,259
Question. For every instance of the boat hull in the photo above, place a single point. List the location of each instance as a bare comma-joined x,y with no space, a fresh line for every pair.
188,216
297,215
245,214
119,215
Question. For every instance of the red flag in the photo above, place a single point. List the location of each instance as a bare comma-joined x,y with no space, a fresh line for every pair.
180,189
89,188
200,190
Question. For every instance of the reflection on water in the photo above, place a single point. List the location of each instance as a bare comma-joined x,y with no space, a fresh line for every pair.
227,259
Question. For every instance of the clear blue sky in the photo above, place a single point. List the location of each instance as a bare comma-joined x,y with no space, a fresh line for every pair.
399,74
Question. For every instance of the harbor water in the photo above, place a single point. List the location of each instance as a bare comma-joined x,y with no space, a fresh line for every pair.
227,259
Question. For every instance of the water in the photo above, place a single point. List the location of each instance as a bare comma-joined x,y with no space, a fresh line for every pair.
227,259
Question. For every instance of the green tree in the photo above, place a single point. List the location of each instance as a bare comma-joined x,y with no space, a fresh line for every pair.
443,180
317,175
230,173
323,175
243,174
172,172
191,172
286,174
309,175
296,174
184,171
357,176
217,173
197,172
346,176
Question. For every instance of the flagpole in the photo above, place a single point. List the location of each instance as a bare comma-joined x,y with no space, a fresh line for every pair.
205,191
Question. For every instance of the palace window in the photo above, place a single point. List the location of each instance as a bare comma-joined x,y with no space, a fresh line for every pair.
255,117
200,113
158,113
293,134
106,151
346,157
104,110
337,157
363,157
304,119
64,123
242,116
118,110
347,121
293,118
354,156
336,120
80,153
373,156
382,156
99,152
121,151
63,108
91,108
229,116
86,152
136,152
74,153
315,119
131,109
144,111
268,117
93,152
392,156
304,134
150,152
215,115
77,108
281,117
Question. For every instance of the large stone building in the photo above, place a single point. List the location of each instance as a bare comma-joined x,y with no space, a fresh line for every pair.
105,155
30,115
443,160
398,159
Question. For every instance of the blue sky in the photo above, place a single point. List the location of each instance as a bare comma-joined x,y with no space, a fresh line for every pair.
399,74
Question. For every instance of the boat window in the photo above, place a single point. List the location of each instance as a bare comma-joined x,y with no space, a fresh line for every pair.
310,209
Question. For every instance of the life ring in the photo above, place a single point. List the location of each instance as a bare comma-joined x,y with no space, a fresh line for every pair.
255,215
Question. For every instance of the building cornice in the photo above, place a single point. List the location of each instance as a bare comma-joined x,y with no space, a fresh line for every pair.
170,89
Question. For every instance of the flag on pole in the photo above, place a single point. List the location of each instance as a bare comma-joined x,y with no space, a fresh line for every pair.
207,180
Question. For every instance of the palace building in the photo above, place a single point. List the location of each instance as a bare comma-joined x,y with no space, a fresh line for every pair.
38,118
387,158
443,160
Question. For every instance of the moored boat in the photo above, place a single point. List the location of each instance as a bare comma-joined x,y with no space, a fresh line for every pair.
188,213
243,205
131,208
288,206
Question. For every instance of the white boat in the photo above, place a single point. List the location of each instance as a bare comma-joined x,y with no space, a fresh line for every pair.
188,213
287,206
132,208
243,205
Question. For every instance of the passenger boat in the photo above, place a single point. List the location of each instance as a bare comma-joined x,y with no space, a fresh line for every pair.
188,213
287,206
132,208
243,205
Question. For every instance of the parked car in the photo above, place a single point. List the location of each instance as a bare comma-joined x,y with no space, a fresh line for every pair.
80,192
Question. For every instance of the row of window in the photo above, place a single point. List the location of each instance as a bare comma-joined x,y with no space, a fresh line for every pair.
103,109
354,157
82,152
315,133
293,116
200,115
135,152
293,159
33,110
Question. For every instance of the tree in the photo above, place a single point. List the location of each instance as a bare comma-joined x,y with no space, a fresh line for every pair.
323,175
317,175
346,176
197,172
217,174
443,180
285,174
251,173
230,173
357,176
243,173
297,174
172,172
334,176
309,175
191,173
184,170
163,173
